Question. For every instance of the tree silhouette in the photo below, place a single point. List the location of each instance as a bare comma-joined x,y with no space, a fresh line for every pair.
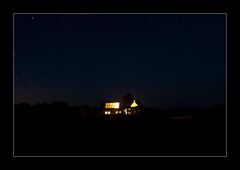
127,100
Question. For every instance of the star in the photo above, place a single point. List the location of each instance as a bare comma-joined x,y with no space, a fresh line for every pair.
34,20
208,43
43,37
198,28
133,67
52,52
151,20
70,29
109,54
66,50
205,74
141,36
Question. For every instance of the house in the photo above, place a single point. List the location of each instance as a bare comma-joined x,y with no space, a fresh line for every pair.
112,107
128,106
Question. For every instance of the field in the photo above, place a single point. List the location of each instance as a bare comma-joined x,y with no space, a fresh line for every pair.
172,133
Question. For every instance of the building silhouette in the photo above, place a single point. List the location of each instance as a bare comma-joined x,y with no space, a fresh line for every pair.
128,106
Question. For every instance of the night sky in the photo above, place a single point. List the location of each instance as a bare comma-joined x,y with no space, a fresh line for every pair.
165,61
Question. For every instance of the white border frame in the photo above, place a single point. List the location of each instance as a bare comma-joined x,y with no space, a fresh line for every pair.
120,14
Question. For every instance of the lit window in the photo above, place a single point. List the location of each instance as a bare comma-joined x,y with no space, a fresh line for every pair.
114,105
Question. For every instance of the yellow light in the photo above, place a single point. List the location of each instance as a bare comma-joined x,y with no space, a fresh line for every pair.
134,104
106,112
116,112
114,105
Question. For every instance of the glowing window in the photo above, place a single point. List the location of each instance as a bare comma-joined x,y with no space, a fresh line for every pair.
114,105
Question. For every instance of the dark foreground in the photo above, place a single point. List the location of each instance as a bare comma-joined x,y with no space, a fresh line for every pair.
152,133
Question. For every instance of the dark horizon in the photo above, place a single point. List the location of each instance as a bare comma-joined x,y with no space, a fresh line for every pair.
99,106
165,61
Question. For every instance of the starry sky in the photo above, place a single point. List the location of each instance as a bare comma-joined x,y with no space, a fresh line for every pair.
164,60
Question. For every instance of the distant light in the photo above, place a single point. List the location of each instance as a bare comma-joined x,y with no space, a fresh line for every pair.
107,112
120,111
134,104
116,112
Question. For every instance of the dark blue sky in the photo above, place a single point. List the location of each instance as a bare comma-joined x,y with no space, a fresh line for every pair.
165,61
